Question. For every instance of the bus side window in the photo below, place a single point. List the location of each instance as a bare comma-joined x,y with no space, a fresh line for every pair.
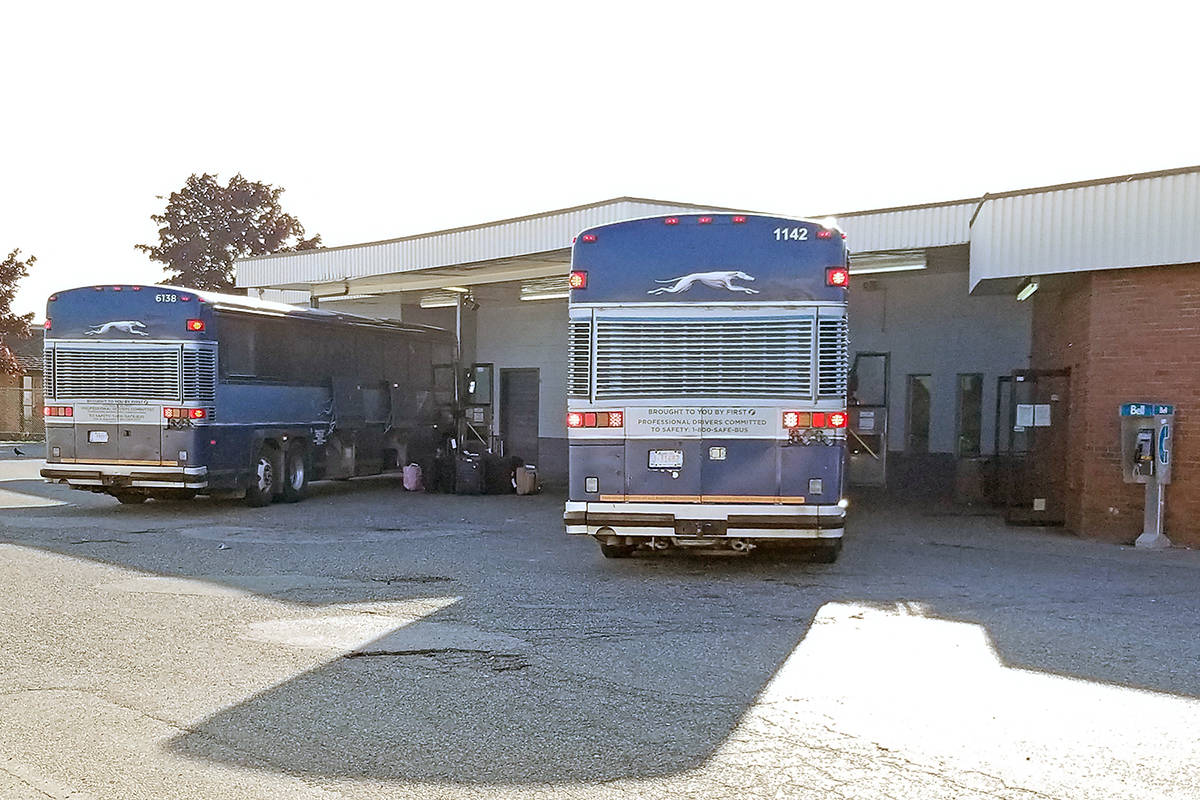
236,345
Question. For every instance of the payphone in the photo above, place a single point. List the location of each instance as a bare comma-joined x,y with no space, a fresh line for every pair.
1146,458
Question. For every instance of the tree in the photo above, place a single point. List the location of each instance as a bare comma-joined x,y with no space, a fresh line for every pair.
16,326
206,226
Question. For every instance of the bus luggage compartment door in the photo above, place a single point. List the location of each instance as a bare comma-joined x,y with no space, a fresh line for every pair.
666,468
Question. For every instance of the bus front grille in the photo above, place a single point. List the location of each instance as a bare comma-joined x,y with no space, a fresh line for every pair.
833,357
579,361
122,372
704,357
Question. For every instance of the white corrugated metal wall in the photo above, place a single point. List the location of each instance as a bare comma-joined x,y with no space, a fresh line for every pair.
1131,223
908,228
541,234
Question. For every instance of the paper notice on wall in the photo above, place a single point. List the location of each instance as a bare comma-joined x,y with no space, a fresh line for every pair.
694,422
1041,415
866,421
1024,415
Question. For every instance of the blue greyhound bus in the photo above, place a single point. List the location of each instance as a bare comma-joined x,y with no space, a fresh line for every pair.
707,377
165,392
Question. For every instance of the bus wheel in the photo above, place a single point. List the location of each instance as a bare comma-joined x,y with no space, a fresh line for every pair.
295,473
616,550
263,475
130,498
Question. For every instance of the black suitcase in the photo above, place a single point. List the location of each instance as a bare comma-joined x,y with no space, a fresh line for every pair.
468,474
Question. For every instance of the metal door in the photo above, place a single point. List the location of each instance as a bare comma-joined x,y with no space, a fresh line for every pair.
519,413
868,424
1035,458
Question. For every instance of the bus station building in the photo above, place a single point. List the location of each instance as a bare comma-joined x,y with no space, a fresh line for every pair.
1072,299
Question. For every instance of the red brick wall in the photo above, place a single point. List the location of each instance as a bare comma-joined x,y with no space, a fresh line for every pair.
1127,335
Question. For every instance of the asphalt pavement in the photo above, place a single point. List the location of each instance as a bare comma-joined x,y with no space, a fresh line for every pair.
374,643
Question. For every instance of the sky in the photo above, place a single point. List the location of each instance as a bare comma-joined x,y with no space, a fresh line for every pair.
389,119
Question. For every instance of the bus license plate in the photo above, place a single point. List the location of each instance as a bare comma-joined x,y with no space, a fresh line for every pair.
98,437
666,459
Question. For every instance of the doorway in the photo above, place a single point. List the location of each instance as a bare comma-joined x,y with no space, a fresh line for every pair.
519,408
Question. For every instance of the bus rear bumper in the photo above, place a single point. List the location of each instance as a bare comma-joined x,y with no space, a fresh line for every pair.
117,476
687,521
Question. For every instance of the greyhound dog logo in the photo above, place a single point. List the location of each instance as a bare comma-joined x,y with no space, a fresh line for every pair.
717,280
123,325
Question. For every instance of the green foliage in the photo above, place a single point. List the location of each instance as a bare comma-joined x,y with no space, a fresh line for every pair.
12,326
206,226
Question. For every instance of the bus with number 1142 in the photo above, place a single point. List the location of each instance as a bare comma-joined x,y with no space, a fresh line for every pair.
707,384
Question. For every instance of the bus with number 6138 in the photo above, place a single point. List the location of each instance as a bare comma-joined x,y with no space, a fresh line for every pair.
165,392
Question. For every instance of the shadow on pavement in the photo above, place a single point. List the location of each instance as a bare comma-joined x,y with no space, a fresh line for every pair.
559,666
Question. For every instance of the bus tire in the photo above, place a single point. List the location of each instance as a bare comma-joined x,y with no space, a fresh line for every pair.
616,550
130,498
264,475
295,473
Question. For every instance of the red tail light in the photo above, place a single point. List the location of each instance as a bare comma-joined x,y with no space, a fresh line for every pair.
46,324
825,233
595,419
818,419
195,325
185,297
58,411
588,237
578,280
198,413
184,413
837,276
739,220
671,221
705,220
837,419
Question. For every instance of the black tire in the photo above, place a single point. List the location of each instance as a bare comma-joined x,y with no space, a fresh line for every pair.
264,476
295,473
130,498
616,550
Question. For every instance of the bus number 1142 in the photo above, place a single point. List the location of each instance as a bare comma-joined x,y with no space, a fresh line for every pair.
795,234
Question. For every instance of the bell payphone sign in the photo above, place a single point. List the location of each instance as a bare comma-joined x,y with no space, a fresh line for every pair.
1147,410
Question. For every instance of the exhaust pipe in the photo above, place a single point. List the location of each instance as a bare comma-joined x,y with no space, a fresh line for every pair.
741,546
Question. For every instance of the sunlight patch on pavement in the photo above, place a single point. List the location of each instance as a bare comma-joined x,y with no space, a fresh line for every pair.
11,499
21,469
923,691
346,632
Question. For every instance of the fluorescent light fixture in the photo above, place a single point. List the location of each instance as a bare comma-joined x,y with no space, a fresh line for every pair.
1031,286
889,268
440,299
555,288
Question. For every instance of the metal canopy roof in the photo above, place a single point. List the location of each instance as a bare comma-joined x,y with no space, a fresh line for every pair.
534,246
1110,223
